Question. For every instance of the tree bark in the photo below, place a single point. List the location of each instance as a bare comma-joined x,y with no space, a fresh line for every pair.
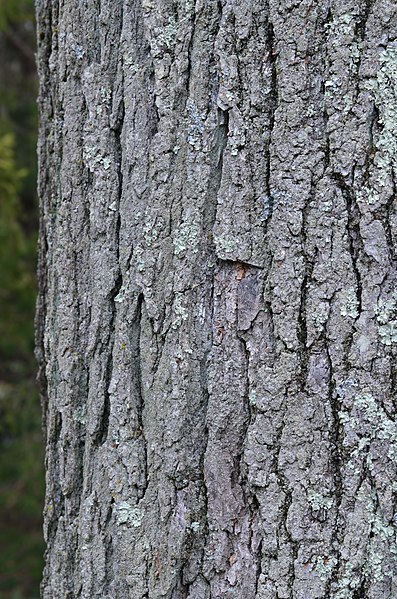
217,315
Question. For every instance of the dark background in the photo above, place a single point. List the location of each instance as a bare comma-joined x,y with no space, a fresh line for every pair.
21,441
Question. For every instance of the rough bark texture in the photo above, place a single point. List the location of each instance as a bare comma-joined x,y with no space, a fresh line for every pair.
217,320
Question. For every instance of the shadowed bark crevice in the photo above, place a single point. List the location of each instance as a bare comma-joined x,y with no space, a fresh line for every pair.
337,453
136,348
102,434
273,95
353,232
309,262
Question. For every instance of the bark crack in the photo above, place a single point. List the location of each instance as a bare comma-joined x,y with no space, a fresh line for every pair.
139,390
306,280
273,107
102,434
336,434
353,233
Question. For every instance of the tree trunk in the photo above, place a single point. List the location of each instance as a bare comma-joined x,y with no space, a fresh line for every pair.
217,317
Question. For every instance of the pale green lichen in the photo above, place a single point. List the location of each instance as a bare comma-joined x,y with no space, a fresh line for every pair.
252,398
382,541
131,64
366,423
80,415
341,32
331,87
151,231
348,582
384,90
94,159
327,206
367,196
388,333
349,303
195,526
386,315
165,38
311,110
320,313
140,262
319,501
341,25
120,297
226,244
180,310
386,94
189,5
128,514
386,309
104,97
324,566
188,234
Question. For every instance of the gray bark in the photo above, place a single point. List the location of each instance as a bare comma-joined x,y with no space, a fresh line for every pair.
217,317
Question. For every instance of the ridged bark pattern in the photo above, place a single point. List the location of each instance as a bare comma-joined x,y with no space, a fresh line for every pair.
217,315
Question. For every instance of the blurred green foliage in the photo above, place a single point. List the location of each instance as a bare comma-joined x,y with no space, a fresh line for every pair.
21,445
16,267
15,11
